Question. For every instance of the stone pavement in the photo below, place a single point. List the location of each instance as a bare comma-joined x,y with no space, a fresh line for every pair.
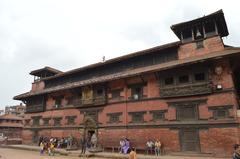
111,155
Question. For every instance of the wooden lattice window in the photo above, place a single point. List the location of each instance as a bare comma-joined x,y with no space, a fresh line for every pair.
158,115
183,79
116,94
92,114
46,121
36,121
221,112
188,112
198,77
114,117
71,120
58,101
137,117
57,121
169,81
137,91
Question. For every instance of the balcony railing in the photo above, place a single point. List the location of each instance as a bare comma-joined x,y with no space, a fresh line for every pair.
186,90
101,100
34,108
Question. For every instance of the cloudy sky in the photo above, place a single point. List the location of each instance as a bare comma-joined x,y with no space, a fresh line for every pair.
66,34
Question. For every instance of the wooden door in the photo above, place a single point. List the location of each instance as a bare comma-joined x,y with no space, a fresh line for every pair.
189,139
35,136
188,112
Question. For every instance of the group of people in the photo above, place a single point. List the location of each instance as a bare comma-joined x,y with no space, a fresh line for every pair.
63,142
125,148
154,146
124,145
48,147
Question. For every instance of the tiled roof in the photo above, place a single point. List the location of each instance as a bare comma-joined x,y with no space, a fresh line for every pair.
117,59
9,124
10,116
218,16
46,69
159,67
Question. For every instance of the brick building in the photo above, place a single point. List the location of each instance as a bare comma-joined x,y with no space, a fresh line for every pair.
11,129
17,110
185,93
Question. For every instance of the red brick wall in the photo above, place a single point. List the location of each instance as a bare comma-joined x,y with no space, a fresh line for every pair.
139,137
210,45
27,136
37,86
219,141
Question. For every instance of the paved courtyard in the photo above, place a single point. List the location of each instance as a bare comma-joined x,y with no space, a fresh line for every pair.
25,154
7,153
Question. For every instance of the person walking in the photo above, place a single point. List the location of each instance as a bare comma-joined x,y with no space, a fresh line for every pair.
41,148
236,153
150,146
83,145
121,143
132,154
157,147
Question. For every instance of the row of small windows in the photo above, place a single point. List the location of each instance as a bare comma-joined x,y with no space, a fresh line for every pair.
137,117
183,79
46,121
10,121
183,113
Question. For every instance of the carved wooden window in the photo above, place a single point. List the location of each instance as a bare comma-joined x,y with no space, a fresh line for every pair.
198,77
57,121
92,114
137,91
99,92
116,94
36,121
87,93
75,100
188,112
158,115
183,79
46,121
71,120
169,81
114,117
137,117
220,112
35,104
58,101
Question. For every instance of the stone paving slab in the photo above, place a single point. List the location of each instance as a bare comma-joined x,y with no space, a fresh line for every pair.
76,153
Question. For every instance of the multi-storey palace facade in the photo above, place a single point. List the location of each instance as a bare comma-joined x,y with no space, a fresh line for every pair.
185,93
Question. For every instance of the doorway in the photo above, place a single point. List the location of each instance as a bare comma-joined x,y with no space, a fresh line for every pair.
90,133
35,137
189,140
